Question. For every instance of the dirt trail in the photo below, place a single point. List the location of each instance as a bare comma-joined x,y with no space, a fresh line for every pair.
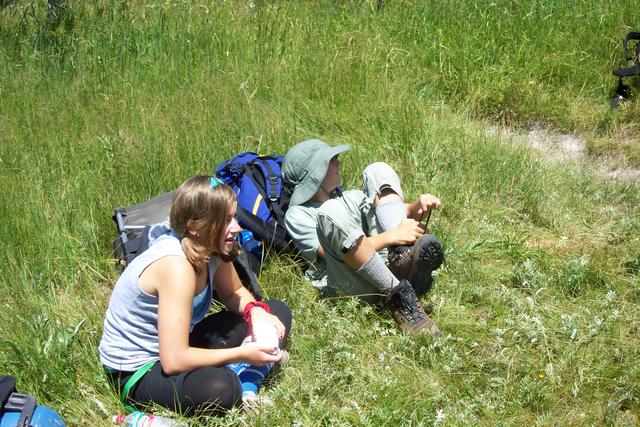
560,147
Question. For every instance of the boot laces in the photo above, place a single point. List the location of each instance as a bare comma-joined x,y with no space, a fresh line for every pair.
409,309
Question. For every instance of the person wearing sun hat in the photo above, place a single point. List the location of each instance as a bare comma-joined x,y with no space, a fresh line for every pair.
306,165
367,243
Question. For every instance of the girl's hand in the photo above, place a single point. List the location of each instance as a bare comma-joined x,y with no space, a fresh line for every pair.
259,354
258,315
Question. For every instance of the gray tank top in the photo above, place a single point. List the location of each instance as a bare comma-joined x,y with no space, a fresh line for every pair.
130,334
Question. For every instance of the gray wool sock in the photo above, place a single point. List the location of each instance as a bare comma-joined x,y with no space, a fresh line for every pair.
377,273
390,215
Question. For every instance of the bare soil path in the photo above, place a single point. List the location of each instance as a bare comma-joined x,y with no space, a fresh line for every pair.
559,147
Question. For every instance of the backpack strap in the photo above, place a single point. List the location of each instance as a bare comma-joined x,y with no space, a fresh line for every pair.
269,233
247,274
275,188
272,179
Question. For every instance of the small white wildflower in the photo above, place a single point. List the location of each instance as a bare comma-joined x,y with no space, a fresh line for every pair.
100,405
440,416
575,389
548,370
609,296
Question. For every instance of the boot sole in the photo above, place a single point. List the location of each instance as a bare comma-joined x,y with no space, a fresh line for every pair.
429,257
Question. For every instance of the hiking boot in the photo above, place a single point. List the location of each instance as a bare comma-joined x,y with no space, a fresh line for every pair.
416,263
407,311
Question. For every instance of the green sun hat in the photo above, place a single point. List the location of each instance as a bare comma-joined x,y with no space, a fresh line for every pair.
305,166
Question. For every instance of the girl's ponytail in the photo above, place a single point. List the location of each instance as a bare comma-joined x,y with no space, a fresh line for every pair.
199,212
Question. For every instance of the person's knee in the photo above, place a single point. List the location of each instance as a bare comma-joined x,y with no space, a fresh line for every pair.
380,180
213,390
387,195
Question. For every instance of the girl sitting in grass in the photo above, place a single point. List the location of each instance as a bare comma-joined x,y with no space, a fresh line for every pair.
157,313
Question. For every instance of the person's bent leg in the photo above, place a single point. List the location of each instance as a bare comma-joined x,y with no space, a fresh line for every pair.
382,185
354,266
199,391
410,264
366,262
226,329
346,249
416,262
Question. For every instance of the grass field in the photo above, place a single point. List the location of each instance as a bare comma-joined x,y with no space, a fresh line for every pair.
111,103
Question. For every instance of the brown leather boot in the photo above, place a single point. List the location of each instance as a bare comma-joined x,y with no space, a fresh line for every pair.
416,263
407,311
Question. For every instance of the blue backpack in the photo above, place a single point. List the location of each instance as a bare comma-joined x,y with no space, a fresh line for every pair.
263,197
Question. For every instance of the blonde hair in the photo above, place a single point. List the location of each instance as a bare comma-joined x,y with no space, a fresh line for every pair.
198,214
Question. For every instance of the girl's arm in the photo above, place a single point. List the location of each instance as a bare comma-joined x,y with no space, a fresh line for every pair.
174,281
235,296
230,289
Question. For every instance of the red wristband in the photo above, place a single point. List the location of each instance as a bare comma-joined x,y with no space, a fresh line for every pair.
246,314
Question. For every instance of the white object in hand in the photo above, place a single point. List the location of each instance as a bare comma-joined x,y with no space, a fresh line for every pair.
266,334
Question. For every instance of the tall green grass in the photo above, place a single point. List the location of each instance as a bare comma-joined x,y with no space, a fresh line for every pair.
115,102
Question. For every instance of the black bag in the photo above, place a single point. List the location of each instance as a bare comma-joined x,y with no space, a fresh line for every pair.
623,92
133,224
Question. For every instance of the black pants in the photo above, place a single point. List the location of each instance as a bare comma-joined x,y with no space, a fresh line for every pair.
202,390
